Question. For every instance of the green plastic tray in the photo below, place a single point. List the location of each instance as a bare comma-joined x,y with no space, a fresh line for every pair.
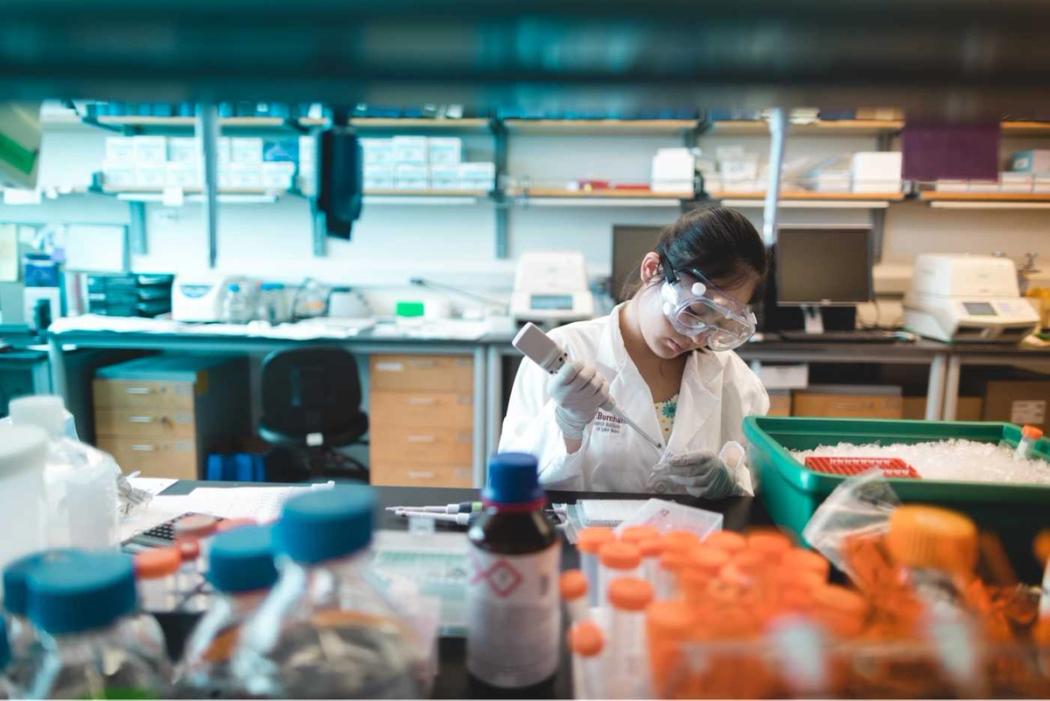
792,493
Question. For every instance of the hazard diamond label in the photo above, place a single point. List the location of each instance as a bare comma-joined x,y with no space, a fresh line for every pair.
503,578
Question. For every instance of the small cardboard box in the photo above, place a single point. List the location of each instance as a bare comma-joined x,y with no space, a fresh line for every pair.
1017,401
852,401
968,408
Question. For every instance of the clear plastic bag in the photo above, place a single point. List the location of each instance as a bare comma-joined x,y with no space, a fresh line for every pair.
859,506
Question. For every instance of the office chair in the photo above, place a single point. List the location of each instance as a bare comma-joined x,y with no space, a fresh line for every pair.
311,405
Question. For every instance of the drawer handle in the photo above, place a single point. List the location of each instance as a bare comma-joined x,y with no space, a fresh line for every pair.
422,401
423,364
139,390
143,448
141,419
417,475
421,439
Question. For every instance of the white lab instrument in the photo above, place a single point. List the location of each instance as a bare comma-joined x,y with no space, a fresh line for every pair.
538,347
200,297
551,286
964,298
717,391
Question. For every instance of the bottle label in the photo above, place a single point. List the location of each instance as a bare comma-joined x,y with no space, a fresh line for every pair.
514,617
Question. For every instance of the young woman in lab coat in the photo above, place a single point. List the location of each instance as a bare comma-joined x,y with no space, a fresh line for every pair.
665,359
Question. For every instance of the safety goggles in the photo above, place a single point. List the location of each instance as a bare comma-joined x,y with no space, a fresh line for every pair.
697,309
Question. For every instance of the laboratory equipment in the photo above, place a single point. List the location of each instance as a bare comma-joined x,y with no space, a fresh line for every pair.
586,643
629,246
80,481
542,350
201,297
238,307
97,648
325,630
821,267
590,542
23,495
310,300
241,569
455,519
572,585
22,637
701,310
462,507
1025,446
513,610
273,303
629,597
964,298
156,571
616,560
551,286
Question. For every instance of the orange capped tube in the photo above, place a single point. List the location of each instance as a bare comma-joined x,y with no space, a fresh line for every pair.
629,597
587,644
729,541
668,626
589,542
636,534
617,560
155,572
573,587
651,550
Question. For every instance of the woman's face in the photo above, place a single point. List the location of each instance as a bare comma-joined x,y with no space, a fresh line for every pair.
660,336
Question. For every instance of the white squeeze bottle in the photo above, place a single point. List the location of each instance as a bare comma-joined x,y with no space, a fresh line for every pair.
81,481
514,613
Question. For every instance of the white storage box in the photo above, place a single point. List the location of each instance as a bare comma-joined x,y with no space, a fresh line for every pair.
445,176
150,150
183,150
277,175
1031,161
120,149
376,151
410,176
410,149
477,176
445,149
246,150
876,171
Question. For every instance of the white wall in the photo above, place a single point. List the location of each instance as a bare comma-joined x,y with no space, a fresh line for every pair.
456,244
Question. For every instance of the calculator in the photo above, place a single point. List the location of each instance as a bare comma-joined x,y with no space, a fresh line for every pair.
159,536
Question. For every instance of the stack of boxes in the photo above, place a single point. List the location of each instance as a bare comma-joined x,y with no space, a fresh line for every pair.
1029,172
420,163
149,163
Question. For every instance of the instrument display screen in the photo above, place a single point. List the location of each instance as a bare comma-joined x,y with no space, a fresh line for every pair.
551,302
979,309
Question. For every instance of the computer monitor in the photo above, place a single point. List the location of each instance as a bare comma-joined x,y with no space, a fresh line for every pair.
629,246
817,267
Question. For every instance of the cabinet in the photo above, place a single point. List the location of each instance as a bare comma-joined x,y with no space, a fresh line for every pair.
422,420
162,415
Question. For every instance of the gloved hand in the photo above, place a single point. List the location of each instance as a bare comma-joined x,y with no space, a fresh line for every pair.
579,390
700,474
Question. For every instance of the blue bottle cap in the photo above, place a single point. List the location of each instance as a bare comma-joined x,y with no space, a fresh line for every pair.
513,479
242,560
326,524
16,589
233,287
82,592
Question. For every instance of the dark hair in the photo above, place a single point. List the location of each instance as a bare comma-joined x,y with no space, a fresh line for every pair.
719,242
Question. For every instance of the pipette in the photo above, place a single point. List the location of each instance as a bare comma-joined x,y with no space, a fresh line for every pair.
539,348
463,507
457,519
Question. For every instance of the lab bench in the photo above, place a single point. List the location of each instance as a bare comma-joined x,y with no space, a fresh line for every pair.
432,386
452,681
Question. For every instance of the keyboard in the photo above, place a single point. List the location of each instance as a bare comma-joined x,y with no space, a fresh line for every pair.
866,336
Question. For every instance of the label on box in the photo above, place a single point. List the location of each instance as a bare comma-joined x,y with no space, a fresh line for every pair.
1030,411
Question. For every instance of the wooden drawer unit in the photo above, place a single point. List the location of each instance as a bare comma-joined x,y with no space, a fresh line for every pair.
405,475
431,409
153,458
162,415
131,394
145,423
421,411
422,373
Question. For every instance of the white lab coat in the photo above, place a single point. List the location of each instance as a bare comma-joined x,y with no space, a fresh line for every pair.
718,390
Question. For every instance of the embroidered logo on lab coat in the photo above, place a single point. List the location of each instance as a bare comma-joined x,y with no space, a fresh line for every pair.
607,423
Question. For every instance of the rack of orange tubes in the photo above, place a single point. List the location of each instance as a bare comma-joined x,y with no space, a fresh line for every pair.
711,629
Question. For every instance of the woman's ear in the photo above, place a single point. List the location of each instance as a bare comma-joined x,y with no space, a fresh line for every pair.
650,269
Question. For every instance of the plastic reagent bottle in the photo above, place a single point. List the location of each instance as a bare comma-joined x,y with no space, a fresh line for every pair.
81,481
325,631
1030,435
22,637
94,646
514,618
242,570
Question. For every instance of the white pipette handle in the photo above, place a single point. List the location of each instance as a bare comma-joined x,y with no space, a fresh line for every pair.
542,350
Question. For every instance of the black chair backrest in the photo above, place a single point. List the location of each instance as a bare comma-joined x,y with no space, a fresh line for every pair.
310,390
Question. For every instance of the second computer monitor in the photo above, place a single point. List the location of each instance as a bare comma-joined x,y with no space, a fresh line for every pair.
823,266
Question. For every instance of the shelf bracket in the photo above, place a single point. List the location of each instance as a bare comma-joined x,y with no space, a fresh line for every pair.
138,239
208,135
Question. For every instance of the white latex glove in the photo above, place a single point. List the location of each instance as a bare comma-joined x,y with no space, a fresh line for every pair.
700,474
579,390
